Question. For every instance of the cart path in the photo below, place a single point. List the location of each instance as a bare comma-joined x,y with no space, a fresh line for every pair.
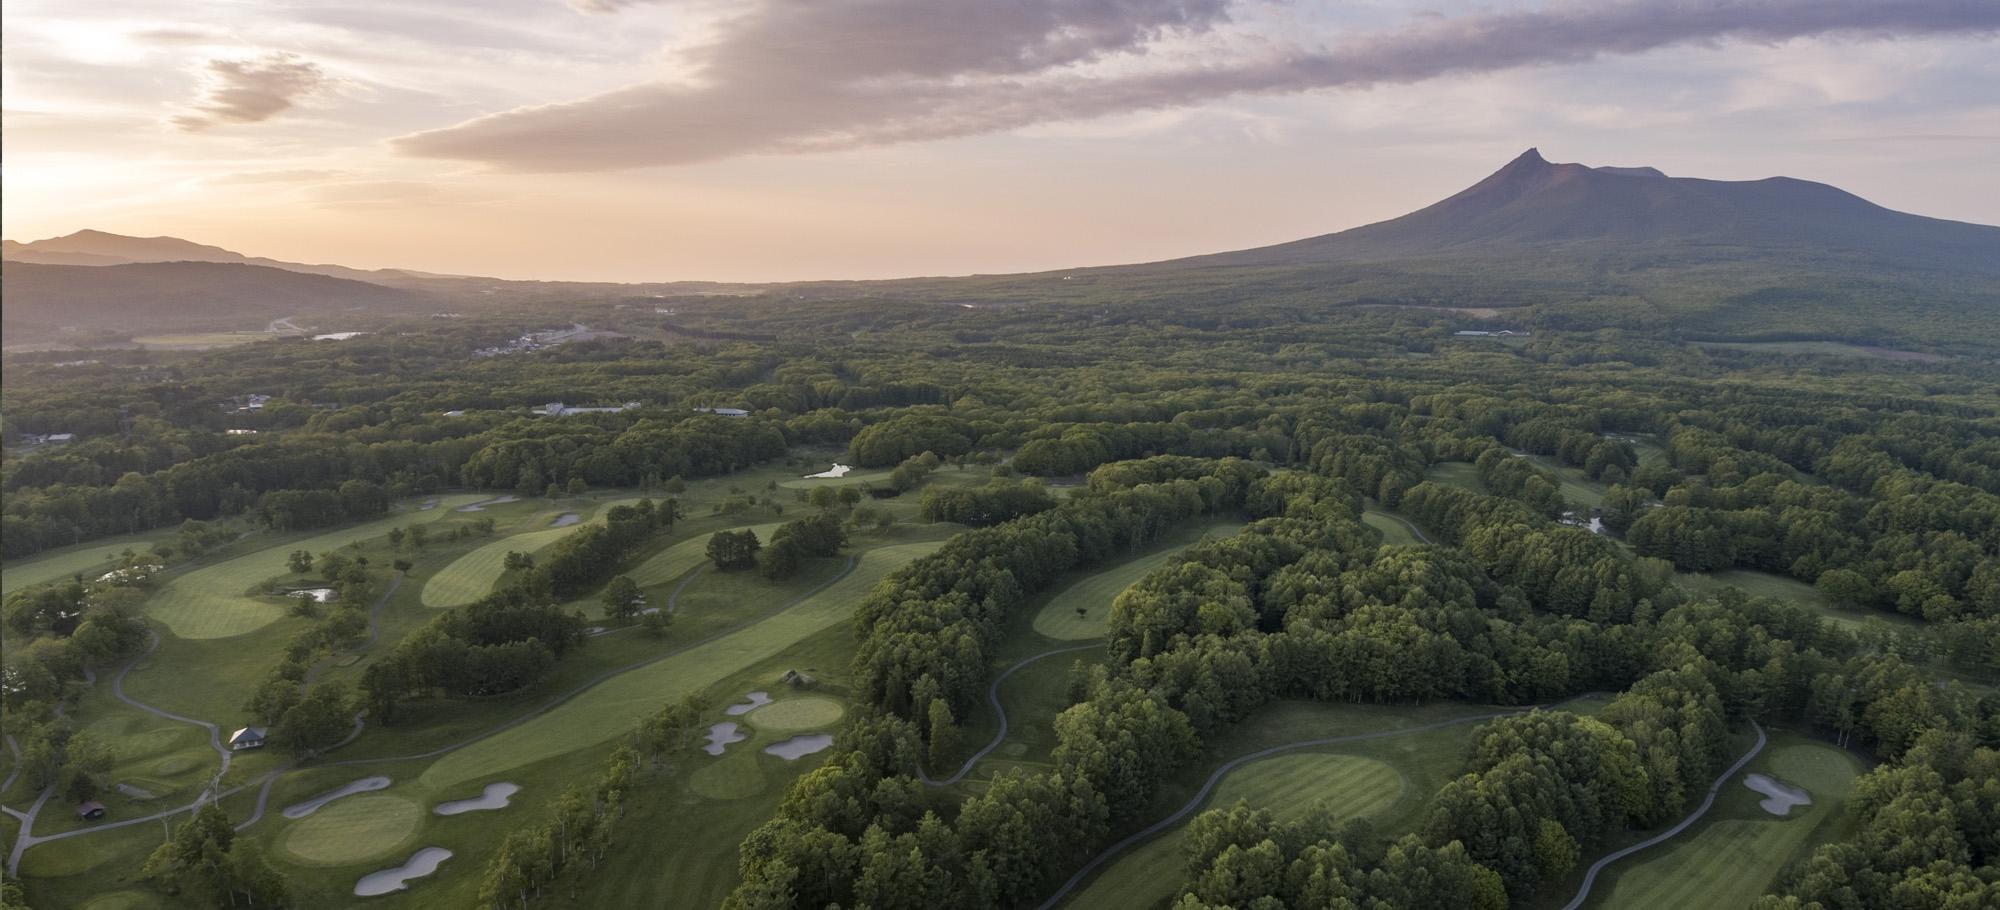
1590,877
993,698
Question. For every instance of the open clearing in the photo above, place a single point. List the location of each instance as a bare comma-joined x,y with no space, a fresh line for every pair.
851,478
1730,861
1059,618
353,830
199,341
471,576
1288,785
1395,532
214,601
90,560
681,558
1765,584
609,709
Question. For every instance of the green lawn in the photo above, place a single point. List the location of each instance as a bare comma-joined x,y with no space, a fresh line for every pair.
217,602
1765,584
471,576
681,558
609,709
1079,612
1395,532
1737,854
1460,474
89,559
852,478
353,829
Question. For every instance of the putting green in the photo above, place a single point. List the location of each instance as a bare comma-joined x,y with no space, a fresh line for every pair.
1059,618
677,560
353,829
1288,785
211,602
609,709
1731,861
791,714
733,776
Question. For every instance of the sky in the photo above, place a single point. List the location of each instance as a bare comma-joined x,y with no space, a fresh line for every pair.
767,140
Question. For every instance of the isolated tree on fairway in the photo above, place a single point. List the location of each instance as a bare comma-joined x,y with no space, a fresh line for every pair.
300,562
621,598
317,721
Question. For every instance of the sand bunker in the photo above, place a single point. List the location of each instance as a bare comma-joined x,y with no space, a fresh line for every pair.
721,735
364,785
838,470
481,505
389,881
800,746
1778,798
565,520
496,796
756,700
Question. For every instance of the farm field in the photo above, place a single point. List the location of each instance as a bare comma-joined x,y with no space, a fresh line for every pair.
1080,611
1737,852
90,560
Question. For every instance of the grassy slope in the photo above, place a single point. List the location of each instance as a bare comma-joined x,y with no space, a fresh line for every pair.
1739,851
89,559
215,601
1059,620
608,709
681,558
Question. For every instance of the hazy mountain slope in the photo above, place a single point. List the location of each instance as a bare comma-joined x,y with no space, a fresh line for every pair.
140,298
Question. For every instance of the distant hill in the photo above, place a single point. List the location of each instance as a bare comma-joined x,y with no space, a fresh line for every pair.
1533,205
89,247
47,301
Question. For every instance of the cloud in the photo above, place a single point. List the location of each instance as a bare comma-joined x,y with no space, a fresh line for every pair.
809,75
249,91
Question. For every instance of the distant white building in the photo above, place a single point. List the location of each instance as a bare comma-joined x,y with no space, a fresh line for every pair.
558,409
725,412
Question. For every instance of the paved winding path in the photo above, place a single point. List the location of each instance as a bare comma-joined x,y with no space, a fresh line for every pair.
1590,877
118,690
993,698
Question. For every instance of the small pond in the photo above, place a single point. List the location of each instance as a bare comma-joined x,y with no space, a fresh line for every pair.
565,520
1779,798
721,735
756,700
800,746
364,785
318,595
496,796
389,881
481,505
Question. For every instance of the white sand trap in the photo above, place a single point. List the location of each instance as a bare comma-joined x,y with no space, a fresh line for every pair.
481,505
721,735
800,746
565,520
428,505
838,470
496,796
756,700
364,785
1778,798
389,881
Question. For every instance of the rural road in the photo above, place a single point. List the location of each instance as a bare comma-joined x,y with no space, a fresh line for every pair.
1208,785
1590,877
993,698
